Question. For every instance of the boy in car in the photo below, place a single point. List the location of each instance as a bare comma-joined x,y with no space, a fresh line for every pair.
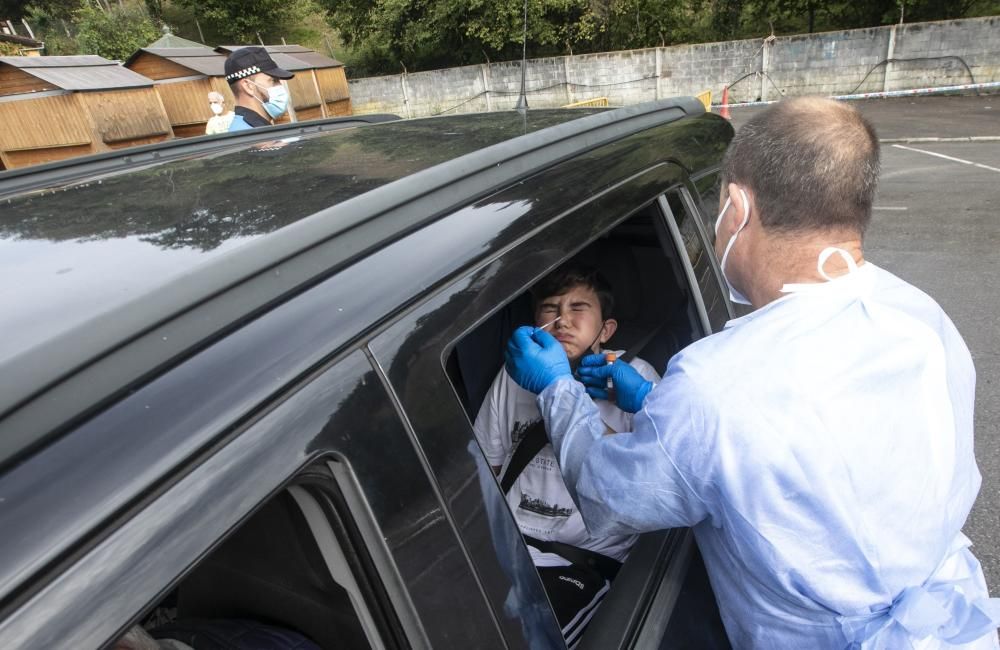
575,305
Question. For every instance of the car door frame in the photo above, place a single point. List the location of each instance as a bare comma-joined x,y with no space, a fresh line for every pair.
498,279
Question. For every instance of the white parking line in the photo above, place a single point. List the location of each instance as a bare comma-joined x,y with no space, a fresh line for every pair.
890,207
953,159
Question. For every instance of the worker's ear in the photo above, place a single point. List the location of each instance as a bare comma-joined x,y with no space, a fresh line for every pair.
608,330
738,210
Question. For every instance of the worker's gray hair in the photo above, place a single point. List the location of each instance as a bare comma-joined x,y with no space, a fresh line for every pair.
812,164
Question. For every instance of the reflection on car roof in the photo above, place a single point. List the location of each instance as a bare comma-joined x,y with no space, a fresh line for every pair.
73,252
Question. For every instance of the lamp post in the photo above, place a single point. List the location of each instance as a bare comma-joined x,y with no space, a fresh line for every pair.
522,100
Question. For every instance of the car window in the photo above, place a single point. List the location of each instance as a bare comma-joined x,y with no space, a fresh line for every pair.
656,317
441,358
292,573
653,309
700,256
708,188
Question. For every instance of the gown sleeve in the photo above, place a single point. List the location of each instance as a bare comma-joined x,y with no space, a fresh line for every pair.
654,477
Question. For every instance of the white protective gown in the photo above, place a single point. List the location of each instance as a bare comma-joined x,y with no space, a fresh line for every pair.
821,448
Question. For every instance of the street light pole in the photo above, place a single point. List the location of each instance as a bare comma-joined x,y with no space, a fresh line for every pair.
522,100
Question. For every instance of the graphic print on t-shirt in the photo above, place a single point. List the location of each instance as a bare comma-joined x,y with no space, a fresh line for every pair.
534,500
539,507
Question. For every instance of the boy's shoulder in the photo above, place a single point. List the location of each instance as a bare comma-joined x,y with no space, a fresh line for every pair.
645,369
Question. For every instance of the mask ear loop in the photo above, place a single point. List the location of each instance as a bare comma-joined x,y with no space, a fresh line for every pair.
598,338
827,253
590,347
732,240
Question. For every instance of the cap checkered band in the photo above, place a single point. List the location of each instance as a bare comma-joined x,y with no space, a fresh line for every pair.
246,72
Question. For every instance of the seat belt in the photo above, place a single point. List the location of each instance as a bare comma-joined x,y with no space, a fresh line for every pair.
533,441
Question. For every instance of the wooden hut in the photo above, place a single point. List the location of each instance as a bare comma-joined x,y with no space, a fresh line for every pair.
183,77
55,107
16,45
319,88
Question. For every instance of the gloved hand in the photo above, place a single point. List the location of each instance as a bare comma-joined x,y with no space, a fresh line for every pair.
535,359
630,388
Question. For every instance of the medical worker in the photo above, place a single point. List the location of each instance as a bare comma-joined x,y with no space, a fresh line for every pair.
821,446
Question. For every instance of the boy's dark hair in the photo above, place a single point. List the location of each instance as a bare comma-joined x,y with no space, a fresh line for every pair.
566,278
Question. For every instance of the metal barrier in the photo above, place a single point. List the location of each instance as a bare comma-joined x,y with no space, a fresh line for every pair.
596,102
887,93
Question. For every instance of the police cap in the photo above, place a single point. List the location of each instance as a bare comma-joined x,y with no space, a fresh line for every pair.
251,60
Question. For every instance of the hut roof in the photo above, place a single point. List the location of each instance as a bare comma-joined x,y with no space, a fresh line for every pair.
291,57
203,60
169,40
78,72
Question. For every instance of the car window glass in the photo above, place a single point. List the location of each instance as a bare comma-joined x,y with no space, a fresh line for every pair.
698,254
652,304
290,575
654,314
708,188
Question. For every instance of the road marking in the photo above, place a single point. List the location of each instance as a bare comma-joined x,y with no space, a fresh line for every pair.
951,158
964,138
890,207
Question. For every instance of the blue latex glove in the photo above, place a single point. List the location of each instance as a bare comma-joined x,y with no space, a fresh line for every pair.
630,388
535,359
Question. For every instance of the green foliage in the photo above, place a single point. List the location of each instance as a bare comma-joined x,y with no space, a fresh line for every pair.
52,23
384,35
241,22
115,32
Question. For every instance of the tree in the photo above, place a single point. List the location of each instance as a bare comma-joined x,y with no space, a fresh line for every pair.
630,24
386,34
115,31
241,22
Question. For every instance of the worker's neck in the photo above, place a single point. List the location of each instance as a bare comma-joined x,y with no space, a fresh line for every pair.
250,103
792,259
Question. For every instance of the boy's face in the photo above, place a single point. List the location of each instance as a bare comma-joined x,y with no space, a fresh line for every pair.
581,329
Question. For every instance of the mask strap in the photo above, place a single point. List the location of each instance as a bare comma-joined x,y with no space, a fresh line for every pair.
732,240
598,337
827,253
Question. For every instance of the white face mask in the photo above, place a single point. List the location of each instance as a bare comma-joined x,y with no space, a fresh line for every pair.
734,295
216,108
277,100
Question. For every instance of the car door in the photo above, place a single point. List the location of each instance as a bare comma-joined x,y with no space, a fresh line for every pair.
529,231
139,500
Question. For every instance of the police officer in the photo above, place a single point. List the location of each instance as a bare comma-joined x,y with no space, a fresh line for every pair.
255,80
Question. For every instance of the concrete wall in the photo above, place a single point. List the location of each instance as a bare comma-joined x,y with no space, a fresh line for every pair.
830,63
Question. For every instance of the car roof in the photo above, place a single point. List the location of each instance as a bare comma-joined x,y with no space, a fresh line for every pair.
93,263
84,249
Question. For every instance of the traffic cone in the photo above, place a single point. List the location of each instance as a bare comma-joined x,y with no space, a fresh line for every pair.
724,109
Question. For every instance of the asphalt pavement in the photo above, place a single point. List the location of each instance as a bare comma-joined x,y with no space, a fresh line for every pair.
937,225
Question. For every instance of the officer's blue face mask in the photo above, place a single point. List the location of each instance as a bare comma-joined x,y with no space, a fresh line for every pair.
734,295
277,100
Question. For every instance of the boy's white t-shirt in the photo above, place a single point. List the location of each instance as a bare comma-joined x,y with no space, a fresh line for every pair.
538,498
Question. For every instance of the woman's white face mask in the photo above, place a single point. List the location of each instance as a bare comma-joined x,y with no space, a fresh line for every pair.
734,295
216,108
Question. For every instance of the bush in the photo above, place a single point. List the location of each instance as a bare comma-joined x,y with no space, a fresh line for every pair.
116,32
